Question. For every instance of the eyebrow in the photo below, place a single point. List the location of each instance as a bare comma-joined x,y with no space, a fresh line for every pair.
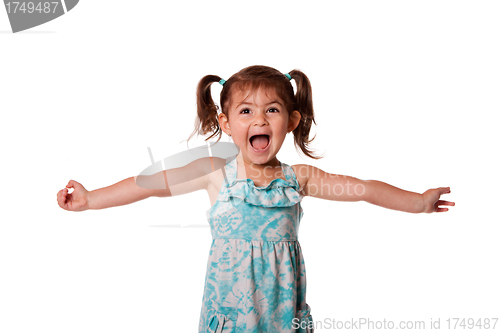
248,103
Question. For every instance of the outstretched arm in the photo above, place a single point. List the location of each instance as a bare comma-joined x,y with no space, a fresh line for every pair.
319,184
388,196
167,183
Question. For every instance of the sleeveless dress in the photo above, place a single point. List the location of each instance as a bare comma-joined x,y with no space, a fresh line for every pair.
256,278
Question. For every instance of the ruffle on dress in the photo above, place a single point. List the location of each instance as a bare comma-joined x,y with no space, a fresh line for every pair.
278,193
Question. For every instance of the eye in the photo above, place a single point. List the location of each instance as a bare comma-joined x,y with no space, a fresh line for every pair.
273,110
244,111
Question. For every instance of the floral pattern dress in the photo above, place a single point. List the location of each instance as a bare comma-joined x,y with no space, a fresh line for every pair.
256,278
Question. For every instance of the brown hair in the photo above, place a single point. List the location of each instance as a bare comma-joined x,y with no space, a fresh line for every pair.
252,78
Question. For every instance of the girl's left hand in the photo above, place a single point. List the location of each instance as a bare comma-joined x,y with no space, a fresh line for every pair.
432,202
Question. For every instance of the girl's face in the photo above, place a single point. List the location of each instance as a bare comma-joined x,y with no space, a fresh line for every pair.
258,123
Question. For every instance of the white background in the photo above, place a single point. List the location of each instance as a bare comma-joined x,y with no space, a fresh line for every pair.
405,92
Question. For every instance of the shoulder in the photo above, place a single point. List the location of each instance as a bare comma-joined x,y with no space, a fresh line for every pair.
196,175
306,173
208,165
214,169
302,173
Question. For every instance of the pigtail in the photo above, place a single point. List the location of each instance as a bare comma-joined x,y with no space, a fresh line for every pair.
303,104
206,120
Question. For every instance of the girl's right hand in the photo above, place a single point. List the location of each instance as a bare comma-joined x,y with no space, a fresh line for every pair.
76,201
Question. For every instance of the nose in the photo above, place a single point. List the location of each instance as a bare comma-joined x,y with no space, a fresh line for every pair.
260,119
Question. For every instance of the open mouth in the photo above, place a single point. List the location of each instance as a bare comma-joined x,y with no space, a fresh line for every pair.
260,142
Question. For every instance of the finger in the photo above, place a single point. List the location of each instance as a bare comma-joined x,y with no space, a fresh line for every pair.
74,184
444,190
61,198
442,203
445,203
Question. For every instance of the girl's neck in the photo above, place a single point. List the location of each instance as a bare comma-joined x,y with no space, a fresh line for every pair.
248,169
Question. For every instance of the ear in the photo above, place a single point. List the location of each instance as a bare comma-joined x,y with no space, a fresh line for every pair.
224,124
293,121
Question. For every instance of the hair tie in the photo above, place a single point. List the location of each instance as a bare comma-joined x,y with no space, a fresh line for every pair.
288,76
222,81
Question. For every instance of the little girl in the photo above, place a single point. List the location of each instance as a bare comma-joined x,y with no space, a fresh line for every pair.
255,280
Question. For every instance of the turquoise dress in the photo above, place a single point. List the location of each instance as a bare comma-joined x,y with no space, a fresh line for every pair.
256,278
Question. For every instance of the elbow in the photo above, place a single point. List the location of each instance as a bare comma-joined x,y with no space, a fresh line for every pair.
154,185
363,190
